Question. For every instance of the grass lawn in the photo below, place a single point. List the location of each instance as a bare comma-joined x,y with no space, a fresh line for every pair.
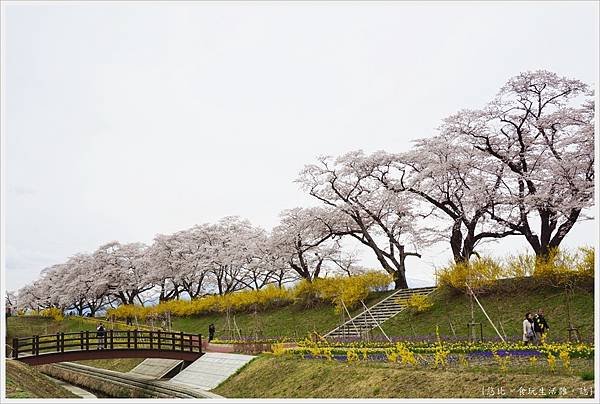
23,381
291,321
506,309
25,326
289,377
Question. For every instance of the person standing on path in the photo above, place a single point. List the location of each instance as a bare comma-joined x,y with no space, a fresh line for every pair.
211,332
528,333
540,326
101,335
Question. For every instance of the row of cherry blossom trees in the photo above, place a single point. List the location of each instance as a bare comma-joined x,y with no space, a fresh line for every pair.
523,165
211,258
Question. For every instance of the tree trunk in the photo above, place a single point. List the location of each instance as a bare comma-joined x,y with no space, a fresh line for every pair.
456,242
400,281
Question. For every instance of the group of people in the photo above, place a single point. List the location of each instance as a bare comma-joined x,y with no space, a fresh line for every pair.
534,327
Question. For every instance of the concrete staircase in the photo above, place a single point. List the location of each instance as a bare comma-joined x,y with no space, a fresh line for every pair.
379,312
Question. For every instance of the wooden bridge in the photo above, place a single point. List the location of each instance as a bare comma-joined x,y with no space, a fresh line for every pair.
84,345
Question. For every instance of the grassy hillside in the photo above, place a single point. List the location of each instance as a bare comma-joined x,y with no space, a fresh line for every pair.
506,308
23,381
290,321
293,321
298,378
34,325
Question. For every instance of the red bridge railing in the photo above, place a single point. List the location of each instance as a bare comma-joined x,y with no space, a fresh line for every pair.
111,340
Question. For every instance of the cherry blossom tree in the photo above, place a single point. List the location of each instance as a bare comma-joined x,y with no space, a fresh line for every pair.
539,130
383,220
165,261
11,299
231,248
264,264
125,269
86,290
194,264
305,240
45,292
455,181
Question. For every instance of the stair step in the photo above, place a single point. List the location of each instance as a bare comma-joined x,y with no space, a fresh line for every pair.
379,312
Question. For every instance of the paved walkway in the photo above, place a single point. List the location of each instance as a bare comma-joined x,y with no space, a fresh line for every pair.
211,369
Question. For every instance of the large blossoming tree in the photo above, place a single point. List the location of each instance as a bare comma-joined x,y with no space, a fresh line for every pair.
539,130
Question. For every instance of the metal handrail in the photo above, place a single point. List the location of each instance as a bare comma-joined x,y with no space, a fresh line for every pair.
376,322
354,325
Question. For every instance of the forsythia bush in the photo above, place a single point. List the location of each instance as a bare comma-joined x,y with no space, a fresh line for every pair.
479,273
341,290
419,303
559,268
53,313
330,290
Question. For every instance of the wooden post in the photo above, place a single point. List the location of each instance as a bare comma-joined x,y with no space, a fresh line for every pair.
37,344
87,340
151,344
57,341
200,343
191,344
15,348
112,346
159,344
81,340
181,340
62,342
135,338
33,344
128,339
172,341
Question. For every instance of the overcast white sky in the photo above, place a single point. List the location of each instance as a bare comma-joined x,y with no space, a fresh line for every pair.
126,120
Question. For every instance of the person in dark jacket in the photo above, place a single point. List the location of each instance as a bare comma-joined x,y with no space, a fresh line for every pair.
211,332
101,335
540,325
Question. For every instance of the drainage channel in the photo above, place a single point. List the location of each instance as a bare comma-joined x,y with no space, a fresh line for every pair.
160,389
78,391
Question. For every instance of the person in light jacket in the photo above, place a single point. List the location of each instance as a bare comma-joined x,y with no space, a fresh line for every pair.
528,334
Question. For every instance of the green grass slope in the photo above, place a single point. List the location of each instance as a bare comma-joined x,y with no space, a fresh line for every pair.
506,308
289,377
25,326
24,381
293,321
